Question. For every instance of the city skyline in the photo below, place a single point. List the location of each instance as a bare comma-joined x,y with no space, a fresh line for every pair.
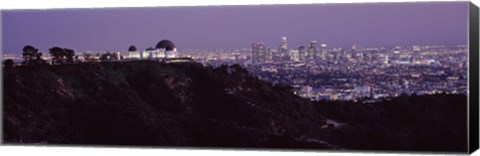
203,28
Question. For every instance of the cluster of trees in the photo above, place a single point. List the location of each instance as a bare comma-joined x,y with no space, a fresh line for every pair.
32,56
62,55
109,57
90,58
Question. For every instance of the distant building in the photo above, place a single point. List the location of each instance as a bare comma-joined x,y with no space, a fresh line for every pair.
163,50
294,55
260,53
416,57
312,51
302,53
152,53
326,96
354,47
323,50
306,92
255,53
267,54
168,49
134,55
385,61
284,43
363,91
283,49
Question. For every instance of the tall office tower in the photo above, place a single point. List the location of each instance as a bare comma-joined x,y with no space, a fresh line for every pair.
312,51
397,47
283,49
385,61
344,54
260,53
294,55
282,53
302,53
323,49
255,53
284,43
362,57
267,54
354,47
415,54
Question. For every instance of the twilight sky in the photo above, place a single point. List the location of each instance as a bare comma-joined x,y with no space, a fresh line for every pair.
338,25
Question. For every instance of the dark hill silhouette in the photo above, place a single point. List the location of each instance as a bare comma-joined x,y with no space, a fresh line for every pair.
187,104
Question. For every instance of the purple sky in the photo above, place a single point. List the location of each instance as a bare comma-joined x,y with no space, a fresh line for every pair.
338,25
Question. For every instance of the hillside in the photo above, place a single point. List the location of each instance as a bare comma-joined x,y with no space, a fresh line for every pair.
186,104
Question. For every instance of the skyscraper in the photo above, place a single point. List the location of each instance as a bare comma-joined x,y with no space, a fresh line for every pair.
294,55
283,49
354,47
302,53
268,54
284,43
255,53
323,49
385,61
260,53
312,51
415,54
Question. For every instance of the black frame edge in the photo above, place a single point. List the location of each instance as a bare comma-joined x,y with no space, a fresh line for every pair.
474,78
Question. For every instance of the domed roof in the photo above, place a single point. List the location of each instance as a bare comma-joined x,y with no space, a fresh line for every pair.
132,48
150,49
165,44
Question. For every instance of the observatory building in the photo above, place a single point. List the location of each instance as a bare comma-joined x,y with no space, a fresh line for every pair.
163,50
168,48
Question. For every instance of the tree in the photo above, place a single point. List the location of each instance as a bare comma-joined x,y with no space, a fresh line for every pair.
76,58
69,54
58,55
108,57
62,55
8,63
39,60
29,54
89,57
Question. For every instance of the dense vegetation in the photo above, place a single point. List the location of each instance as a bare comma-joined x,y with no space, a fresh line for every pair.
187,104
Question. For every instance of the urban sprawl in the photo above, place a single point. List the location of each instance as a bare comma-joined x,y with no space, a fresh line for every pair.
318,72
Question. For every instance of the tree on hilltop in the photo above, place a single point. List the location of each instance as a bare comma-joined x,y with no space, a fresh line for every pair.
58,55
8,63
31,56
108,57
69,55
62,55
29,52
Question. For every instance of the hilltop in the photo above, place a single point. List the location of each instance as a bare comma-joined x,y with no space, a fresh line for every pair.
187,104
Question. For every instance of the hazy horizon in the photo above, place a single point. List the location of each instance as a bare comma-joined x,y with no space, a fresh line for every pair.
337,25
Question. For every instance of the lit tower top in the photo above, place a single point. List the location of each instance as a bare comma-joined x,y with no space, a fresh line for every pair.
284,42
313,43
323,49
354,47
